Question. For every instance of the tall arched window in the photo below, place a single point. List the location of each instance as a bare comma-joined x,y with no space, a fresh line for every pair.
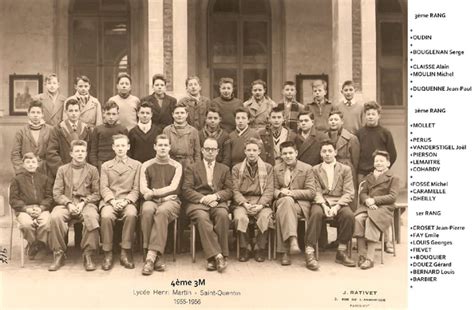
391,52
99,43
239,43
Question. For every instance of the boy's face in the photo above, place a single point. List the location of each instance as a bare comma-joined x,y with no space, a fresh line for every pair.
120,147
276,119
381,163
210,150
159,87
328,153
30,164
73,112
124,86
252,151
35,115
193,87
52,85
289,92
145,115
335,122
258,91
162,148
213,120
83,88
79,153
319,92
241,120
305,122
289,154
372,117
180,115
226,90
111,116
348,92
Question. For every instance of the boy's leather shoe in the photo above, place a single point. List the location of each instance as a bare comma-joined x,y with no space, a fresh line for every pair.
342,258
108,261
147,268
89,263
58,260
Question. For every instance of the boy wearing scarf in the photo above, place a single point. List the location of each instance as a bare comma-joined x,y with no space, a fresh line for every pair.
32,138
253,194
76,191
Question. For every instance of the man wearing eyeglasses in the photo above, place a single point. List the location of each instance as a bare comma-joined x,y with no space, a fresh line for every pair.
207,188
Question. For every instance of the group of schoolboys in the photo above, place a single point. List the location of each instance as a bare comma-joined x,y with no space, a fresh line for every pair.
266,163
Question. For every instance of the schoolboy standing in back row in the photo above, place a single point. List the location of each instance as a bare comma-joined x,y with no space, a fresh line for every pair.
196,104
127,103
290,106
91,110
320,106
52,100
162,104
227,104
352,110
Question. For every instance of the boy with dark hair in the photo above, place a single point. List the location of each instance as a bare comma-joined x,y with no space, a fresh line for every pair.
184,138
320,106
101,137
352,110
290,106
127,103
196,104
309,139
33,138
162,104
142,136
52,100
259,105
76,192
31,198
72,128
274,135
212,129
226,103
238,137
91,110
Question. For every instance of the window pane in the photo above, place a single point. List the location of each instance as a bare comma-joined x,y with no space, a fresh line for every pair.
391,35
251,75
115,41
391,87
254,7
86,5
220,73
91,73
226,6
85,41
113,5
255,42
389,6
225,42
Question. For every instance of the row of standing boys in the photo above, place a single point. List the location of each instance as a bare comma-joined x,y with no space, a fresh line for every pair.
54,122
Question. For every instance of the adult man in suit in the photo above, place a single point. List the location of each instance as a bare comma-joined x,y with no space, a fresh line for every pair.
334,194
162,104
294,191
76,191
59,146
309,139
207,187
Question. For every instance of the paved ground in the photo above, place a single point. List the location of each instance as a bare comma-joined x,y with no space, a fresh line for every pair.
248,285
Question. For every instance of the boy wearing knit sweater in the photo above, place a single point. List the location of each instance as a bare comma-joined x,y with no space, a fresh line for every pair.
127,103
101,138
32,138
226,103
352,110
142,137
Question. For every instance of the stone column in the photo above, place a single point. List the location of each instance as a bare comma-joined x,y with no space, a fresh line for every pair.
155,39
342,46
180,47
369,49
